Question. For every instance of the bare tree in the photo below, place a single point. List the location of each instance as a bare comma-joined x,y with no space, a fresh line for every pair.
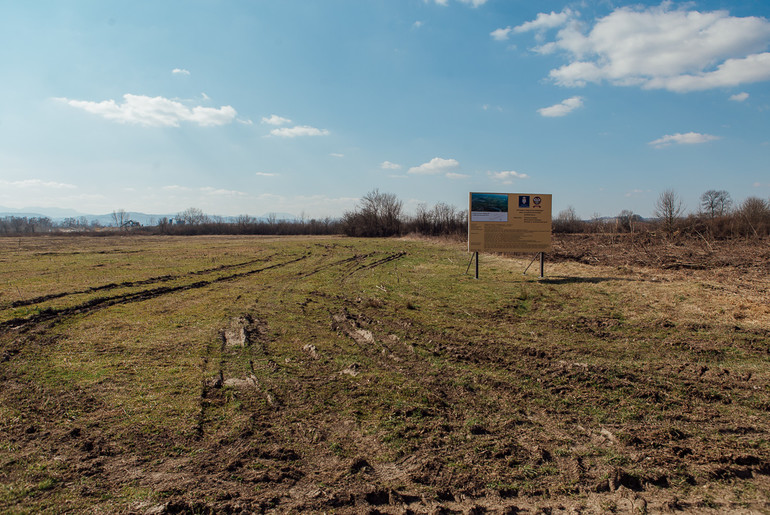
715,203
756,213
567,221
378,214
193,216
627,219
669,209
120,217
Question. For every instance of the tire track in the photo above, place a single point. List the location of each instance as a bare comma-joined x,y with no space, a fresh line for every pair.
375,264
51,314
131,284
352,259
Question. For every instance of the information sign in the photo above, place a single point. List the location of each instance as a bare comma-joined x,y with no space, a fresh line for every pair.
509,222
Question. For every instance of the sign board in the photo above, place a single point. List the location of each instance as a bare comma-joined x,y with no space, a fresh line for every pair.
509,222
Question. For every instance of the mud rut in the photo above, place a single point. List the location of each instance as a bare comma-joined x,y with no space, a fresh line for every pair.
302,449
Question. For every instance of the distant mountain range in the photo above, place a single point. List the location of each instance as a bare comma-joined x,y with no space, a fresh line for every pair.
58,215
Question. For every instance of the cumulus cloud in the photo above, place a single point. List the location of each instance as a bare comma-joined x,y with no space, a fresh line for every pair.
180,71
690,138
545,21
155,111
274,119
387,165
298,130
658,47
507,177
501,34
740,97
542,22
563,108
434,166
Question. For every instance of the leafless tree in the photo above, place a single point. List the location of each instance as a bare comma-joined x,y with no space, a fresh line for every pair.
378,214
193,216
626,220
755,212
567,221
715,203
669,209
120,217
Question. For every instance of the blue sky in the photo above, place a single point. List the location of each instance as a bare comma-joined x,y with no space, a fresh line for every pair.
303,106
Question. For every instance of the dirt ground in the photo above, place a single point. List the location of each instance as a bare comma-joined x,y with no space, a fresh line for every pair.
340,400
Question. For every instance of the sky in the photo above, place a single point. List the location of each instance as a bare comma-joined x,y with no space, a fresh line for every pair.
304,106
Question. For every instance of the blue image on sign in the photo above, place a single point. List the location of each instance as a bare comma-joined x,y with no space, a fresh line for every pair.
523,200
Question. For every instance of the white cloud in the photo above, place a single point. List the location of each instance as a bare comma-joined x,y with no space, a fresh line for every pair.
36,183
507,177
563,108
298,130
274,119
265,174
244,122
417,24
335,154
740,97
180,71
387,165
546,21
434,166
658,47
690,138
155,111
501,34
452,175
208,190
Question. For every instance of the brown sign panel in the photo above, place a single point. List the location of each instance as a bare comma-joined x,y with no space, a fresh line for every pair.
509,222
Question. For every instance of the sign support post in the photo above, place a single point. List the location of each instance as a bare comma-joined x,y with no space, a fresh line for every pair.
542,264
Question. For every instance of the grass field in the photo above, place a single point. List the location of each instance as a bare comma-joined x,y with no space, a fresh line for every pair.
229,374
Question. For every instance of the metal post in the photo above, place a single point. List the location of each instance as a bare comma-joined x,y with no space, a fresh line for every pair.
542,264
477,265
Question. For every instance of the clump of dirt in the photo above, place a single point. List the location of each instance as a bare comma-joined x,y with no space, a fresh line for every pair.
242,331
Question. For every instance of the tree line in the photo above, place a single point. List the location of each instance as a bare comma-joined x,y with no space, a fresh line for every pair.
381,214
717,216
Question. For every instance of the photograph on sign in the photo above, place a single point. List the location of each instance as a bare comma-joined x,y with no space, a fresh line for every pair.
489,207
509,222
